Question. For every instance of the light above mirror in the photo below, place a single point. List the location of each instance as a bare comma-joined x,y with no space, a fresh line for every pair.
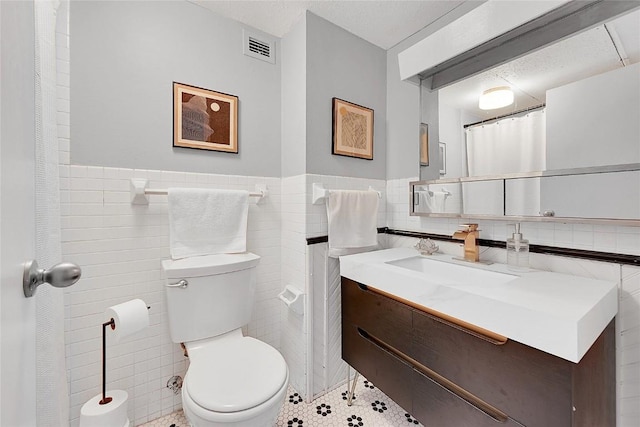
496,97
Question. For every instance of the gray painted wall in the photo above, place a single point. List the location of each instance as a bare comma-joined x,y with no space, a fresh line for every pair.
342,65
403,103
126,56
430,114
294,100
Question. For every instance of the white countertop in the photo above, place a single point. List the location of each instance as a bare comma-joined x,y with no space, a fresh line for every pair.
557,313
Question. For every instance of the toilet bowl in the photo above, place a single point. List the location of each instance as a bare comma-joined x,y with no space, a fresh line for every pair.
232,380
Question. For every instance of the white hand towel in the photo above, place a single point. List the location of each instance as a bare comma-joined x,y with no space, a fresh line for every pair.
207,222
439,200
353,221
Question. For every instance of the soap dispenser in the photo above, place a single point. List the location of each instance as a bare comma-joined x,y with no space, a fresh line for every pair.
517,251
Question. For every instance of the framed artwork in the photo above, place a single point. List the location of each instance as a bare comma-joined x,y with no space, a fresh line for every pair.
352,130
424,144
204,119
443,158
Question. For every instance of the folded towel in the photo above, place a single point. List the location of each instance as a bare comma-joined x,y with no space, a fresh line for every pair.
207,222
353,221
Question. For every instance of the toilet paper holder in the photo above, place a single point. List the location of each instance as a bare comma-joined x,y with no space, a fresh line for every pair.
293,298
111,323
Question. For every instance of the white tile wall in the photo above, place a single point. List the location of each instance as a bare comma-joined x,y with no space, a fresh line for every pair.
302,219
628,345
329,370
580,236
294,247
119,247
63,69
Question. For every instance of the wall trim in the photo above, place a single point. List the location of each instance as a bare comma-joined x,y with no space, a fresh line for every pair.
610,257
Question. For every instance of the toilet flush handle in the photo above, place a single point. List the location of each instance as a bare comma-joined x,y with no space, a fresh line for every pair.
181,284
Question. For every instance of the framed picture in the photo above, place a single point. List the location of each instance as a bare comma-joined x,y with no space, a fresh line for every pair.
443,158
204,119
424,144
352,130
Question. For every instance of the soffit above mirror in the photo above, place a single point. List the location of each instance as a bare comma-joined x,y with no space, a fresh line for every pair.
598,50
495,45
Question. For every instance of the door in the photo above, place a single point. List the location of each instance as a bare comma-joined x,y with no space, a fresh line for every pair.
17,216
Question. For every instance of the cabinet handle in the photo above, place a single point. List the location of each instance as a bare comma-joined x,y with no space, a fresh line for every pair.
438,379
497,340
483,334
453,388
363,287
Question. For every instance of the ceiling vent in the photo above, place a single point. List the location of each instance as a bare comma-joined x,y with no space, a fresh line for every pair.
259,47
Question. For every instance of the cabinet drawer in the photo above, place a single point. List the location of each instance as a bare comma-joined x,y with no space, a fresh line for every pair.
388,320
531,386
434,405
378,365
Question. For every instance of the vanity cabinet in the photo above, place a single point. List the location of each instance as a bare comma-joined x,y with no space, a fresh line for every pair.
446,374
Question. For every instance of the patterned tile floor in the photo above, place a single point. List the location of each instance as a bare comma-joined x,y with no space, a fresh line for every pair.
371,408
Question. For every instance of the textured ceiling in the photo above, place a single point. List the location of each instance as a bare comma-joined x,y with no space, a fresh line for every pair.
383,23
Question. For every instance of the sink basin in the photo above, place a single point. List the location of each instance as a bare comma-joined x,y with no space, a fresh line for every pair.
443,272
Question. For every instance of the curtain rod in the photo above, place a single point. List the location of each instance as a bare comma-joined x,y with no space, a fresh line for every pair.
524,110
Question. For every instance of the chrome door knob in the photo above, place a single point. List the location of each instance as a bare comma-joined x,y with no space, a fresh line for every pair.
60,276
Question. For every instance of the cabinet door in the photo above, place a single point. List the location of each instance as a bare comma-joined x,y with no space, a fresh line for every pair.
378,365
386,319
434,405
531,386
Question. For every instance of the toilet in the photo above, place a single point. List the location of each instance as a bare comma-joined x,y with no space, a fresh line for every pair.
232,380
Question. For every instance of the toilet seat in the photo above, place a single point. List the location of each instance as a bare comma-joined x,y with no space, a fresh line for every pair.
234,374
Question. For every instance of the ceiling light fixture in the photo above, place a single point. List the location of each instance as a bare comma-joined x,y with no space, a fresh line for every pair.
496,97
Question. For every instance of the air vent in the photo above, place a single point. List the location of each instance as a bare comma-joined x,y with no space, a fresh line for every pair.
259,47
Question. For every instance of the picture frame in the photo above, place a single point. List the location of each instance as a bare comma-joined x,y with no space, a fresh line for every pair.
352,130
443,157
204,119
424,144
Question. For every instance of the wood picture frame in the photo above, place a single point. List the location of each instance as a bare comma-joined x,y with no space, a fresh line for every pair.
352,130
424,144
204,119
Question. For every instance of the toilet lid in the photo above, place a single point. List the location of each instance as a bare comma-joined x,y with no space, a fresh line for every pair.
236,376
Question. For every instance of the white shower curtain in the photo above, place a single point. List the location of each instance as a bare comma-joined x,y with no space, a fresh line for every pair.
52,395
509,145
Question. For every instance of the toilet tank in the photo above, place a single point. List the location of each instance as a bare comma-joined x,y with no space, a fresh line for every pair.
217,298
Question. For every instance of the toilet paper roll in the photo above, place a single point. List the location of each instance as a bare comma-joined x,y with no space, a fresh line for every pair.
129,317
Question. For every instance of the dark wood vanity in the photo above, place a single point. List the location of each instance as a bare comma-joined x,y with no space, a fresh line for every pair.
450,374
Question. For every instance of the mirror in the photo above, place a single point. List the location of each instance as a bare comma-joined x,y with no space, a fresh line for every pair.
567,147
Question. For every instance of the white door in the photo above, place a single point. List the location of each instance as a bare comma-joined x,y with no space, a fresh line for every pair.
17,216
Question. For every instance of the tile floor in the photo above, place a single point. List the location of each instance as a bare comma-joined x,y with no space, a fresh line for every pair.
371,408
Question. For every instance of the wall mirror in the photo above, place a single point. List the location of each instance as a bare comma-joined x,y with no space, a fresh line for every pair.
566,147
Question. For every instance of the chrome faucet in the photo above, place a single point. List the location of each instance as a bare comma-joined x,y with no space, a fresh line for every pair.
470,234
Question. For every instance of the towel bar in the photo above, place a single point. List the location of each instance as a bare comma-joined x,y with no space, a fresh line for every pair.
140,192
320,193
